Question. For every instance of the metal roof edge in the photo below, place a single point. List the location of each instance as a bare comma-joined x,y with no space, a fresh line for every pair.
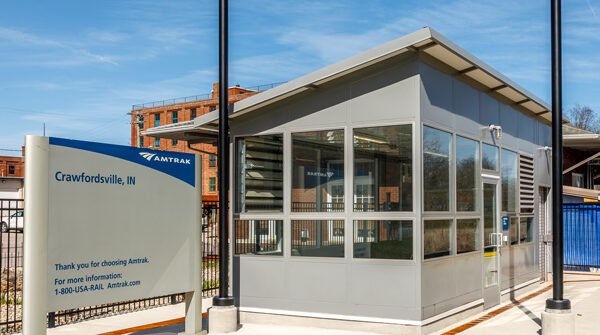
302,82
484,66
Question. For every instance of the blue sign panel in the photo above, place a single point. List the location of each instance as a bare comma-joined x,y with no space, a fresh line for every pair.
176,164
505,223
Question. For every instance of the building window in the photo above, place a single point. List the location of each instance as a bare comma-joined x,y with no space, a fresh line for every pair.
467,235
388,239
318,238
467,173
526,229
259,171
192,113
318,171
157,142
174,117
437,238
509,181
11,169
489,157
141,122
212,184
259,237
174,142
383,168
437,150
212,160
156,120
577,180
141,144
514,230
212,108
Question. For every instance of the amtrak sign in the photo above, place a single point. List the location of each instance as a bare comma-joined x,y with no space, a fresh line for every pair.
107,223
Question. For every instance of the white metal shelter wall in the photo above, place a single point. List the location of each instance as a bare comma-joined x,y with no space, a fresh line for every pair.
382,288
451,104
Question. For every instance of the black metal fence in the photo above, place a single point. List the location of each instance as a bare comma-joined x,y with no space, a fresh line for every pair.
11,272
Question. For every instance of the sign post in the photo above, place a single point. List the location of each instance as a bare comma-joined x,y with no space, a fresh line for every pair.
109,223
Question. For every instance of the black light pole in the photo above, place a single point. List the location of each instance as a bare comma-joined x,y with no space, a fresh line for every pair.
557,302
223,298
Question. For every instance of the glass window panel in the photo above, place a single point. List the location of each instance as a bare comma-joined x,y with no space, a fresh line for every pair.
174,117
509,181
259,171
192,113
212,184
157,142
156,120
526,230
489,157
514,230
437,239
383,168
489,215
389,239
467,235
437,149
259,237
318,171
467,161
318,238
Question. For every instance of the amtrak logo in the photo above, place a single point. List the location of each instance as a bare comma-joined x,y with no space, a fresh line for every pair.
147,155
154,157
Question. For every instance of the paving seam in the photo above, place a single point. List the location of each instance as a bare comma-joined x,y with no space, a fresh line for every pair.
495,312
148,326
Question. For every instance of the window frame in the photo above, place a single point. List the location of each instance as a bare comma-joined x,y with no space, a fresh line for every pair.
452,175
348,216
156,140
478,173
499,164
156,119
210,184
174,117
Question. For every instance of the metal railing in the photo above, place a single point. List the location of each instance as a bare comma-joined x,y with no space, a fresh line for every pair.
205,96
11,272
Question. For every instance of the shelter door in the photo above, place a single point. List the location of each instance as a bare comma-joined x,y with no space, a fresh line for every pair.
492,242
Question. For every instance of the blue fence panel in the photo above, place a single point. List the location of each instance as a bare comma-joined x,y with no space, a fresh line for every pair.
581,234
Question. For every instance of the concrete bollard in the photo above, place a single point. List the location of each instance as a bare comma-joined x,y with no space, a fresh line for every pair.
222,319
558,322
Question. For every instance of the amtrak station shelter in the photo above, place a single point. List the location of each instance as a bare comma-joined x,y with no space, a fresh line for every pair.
399,190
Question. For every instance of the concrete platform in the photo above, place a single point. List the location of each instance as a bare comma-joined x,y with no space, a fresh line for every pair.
582,289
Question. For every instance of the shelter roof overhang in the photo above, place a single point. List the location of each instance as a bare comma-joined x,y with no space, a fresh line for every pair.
424,41
583,142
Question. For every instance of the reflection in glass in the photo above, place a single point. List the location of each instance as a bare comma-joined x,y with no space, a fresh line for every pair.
467,158
437,148
259,173
509,181
318,171
514,230
437,238
318,238
526,230
489,215
389,239
489,157
490,255
259,237
383,168
467,235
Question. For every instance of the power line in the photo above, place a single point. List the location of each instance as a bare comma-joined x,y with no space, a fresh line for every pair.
10,149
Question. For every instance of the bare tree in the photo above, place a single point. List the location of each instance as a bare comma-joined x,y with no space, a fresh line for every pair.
583,117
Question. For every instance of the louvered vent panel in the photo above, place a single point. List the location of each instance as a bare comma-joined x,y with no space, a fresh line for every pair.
526,193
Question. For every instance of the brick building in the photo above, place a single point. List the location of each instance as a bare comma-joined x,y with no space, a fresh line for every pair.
179,111
12,171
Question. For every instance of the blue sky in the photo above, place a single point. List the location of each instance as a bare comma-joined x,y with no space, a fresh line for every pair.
78,66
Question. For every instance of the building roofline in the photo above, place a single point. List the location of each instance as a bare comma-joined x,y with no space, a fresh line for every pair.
424,40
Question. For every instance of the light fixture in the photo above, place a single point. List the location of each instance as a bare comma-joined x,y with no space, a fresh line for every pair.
497,130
